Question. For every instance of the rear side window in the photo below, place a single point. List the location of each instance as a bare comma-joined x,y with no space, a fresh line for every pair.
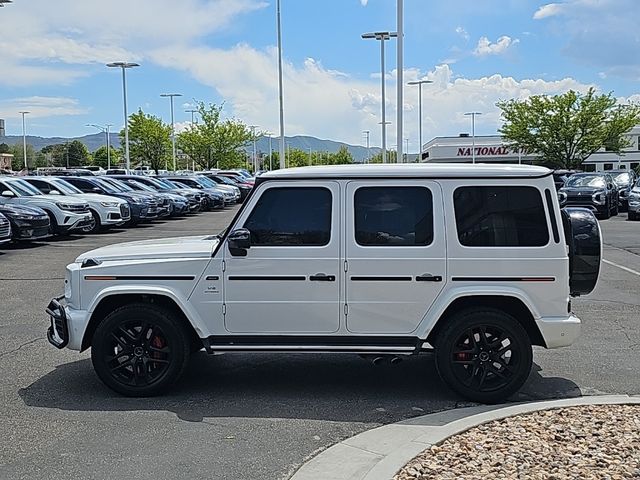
393,216
500,217
291,216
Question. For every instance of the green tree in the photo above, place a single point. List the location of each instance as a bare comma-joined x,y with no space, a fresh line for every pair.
392,155
57,154
341,157
101,159
4,148
17,151
566,129
215,142
77,153
149,140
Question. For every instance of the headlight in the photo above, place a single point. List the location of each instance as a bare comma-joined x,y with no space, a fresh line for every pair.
562,197
599,198
64,206
25,217
109,204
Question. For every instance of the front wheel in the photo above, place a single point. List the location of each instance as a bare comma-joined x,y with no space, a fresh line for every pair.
632,215
139,350
484,355
95,225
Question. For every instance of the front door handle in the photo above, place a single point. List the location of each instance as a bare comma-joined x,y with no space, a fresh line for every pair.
321,277
427,277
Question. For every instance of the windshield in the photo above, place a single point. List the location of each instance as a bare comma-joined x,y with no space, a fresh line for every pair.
141,186
586,181
205,182
226,180
108,186
623,178
22,188
65,187
118,184
166,184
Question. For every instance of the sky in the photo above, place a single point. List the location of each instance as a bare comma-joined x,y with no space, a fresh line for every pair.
476,52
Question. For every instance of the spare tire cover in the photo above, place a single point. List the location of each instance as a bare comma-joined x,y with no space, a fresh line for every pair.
582,233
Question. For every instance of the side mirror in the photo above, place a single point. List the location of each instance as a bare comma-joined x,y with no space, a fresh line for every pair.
239,242
54,192
8,194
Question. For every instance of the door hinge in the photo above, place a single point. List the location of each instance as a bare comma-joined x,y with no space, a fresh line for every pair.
346,309
224,266
346,266
224,309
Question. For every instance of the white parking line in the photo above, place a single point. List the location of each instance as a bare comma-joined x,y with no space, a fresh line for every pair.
621,267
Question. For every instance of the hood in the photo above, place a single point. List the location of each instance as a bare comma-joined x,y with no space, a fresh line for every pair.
180,247
69,200
15,209
581,190
96,197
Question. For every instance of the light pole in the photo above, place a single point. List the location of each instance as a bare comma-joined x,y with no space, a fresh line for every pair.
367,133
171,96
254,159
106,131
270,152
473,134
192,112
382,37
400,74
406,141
124,66
280,94
24,140
420,83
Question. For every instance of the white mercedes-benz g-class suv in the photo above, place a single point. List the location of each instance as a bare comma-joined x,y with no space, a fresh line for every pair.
472,263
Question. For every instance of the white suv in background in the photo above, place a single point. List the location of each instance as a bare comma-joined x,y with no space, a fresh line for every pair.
67,214
106,211
474,264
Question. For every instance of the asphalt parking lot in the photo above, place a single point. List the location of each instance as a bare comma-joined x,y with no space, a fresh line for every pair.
253,416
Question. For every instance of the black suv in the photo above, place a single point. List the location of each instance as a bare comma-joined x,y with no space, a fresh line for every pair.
595,191
625,180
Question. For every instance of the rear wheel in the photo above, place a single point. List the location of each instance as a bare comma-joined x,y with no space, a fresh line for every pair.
140,350
484,355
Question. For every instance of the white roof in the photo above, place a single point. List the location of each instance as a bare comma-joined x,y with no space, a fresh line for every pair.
431,170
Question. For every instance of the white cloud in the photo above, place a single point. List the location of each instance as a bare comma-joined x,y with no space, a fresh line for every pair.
462,32
364,2
326,104
548,10
485,47
39,107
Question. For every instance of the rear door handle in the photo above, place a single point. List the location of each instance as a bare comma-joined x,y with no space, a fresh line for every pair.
427,277
321,277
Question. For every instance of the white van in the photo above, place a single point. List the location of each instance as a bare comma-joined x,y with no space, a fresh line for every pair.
471,263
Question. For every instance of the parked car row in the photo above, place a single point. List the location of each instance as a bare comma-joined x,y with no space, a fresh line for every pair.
604,193
35,207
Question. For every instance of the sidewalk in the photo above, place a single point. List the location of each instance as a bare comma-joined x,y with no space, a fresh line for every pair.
380,453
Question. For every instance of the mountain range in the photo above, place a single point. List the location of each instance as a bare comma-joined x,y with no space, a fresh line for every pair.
301,142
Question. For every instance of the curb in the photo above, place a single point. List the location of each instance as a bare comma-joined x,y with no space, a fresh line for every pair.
380,453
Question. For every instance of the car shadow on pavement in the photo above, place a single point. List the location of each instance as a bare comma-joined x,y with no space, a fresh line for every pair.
314,387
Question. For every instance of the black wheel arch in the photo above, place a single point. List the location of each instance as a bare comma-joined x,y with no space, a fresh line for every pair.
113,302
505,303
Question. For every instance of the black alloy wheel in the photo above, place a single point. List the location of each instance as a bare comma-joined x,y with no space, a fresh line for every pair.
139,350
484,355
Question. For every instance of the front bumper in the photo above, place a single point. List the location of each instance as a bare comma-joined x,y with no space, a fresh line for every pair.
116,216
634,206
73,221
66,325
559,331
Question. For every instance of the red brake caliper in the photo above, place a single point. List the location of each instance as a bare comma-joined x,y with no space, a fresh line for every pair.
157,342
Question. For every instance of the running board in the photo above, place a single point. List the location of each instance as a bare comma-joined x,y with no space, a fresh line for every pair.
314,344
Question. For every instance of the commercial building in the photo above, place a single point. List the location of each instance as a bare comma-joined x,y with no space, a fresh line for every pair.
493,149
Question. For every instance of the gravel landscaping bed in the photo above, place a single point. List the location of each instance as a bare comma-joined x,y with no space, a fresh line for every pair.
585,442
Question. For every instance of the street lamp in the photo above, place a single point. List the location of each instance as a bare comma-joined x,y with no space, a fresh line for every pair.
192,112
420,83
124,66
473,133
382,37
106,131
24,140
400,74
270,150
2,2
253,135
280,93
406,154
367,133
173,127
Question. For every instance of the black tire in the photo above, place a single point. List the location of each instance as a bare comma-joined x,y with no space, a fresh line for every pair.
606,214
96,226
632,216
136,364
480,370
616,209
53,223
